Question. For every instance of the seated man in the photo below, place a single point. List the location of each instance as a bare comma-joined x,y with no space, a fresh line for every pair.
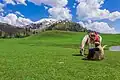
89,40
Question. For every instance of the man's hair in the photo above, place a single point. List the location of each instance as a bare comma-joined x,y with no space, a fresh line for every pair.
90,31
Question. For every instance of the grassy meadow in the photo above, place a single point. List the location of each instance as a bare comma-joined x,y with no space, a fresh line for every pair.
49,56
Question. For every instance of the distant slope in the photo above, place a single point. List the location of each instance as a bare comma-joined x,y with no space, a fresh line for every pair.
64,25
67,26
10,31
45,24
9,28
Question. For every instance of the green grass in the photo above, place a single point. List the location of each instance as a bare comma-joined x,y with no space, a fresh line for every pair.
48,56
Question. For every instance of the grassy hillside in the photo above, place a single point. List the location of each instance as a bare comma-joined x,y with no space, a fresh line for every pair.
67,26
48,56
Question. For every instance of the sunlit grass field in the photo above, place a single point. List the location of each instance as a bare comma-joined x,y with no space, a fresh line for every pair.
49,56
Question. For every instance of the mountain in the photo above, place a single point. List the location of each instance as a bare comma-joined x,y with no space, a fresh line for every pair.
41,24
52,24
67,26
50,20
7,30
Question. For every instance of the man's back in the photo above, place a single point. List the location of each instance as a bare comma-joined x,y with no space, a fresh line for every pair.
88,41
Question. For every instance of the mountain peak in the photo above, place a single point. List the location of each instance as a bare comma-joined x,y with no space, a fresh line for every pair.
46,20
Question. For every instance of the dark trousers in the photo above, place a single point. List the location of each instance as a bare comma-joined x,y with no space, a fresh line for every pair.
91,53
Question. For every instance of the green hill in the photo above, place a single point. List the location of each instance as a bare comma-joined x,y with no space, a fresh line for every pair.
67,26
48,56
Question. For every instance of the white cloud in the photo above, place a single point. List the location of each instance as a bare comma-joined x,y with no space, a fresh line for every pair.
18,13
82,24
90,9
9,2
86,10
21,2
114,16
13,2
46,7
74,6
1,7
14,20
58,10
23,21
53,3
101,27
60,13
1,14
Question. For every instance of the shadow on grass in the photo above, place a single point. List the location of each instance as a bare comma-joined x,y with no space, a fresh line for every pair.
85,59
78,54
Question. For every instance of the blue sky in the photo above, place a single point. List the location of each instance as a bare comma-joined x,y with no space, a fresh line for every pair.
36,12
112,5
30,11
